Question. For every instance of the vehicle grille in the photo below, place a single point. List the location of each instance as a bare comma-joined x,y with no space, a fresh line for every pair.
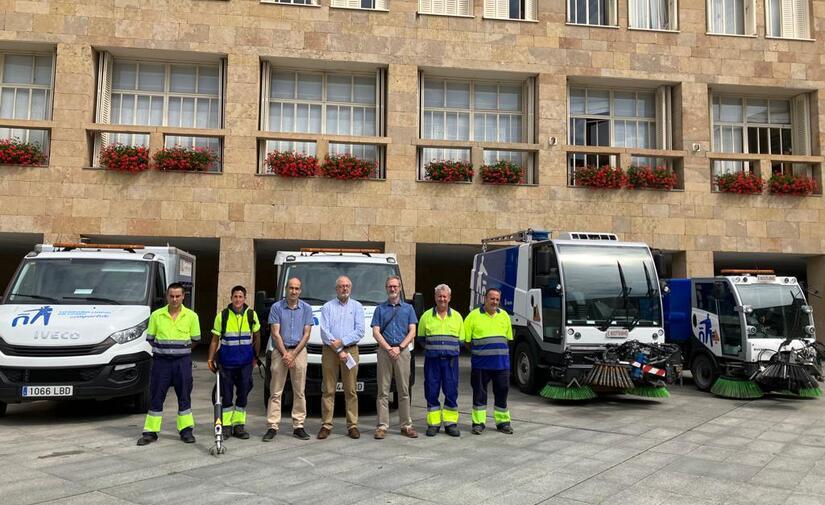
362,349
56,352
51,376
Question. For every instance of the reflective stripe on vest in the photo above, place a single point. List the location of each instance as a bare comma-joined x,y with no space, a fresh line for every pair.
441,343
490,353
171,347
236,338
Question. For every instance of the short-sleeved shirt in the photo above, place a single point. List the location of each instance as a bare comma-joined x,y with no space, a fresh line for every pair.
442,337
173,337
489,337
394,321
292,321
236,344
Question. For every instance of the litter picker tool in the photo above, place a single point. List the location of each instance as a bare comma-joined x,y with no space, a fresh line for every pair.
218,448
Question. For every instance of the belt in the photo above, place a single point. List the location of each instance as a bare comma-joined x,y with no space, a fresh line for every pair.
290,348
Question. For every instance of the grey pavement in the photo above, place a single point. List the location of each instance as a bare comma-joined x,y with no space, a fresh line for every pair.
691,448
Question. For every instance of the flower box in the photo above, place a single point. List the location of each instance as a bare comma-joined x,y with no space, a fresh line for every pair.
123,158
604,177
184,159
651,178
740,183
501,172
291,164
16,152
347,167
794,185
449,171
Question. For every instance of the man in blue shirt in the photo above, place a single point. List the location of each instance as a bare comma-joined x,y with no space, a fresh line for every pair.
393,326
290,323
342,327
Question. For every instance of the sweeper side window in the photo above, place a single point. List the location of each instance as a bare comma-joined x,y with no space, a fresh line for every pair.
546,278
718,298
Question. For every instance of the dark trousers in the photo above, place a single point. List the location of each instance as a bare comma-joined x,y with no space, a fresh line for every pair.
170,372
441,374
479,379
236,382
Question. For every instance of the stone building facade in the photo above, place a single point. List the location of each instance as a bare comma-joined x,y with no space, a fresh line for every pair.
550,55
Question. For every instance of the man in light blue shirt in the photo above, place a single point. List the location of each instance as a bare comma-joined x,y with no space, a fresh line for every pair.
342,327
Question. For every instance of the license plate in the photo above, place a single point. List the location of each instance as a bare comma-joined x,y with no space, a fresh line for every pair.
47,391
616,333
359,387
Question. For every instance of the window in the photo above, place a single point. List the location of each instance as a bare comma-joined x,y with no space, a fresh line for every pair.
787,19
361,4
618,118
477,111
298,101
510,9
759,125
158,93
26,93
592,12
293,2
732,17
445,7
652,14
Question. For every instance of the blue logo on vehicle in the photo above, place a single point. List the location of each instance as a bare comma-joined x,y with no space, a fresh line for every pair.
31,316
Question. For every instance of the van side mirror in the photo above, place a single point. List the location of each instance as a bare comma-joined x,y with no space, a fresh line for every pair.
418,304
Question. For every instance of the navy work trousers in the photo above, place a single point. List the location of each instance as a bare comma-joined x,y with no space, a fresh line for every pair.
236,382
479,379
441,374
171,372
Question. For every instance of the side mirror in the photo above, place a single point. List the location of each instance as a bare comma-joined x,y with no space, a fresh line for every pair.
663,287
559,289
418,304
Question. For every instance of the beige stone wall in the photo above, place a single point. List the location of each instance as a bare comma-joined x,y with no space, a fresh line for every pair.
67,200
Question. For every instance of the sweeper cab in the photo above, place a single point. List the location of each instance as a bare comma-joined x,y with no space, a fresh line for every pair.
586,312
745,333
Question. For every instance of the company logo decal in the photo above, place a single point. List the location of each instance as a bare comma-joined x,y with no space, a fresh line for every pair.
707,334
31,316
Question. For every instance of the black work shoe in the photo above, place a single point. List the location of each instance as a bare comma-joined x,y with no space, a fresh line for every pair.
432,431
452,430
147,438
300,433
505,428
478,429
270,435
227,432
238,431
187,437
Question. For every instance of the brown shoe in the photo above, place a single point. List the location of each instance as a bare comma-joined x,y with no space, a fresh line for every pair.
409,431
353,432
380,433
324,433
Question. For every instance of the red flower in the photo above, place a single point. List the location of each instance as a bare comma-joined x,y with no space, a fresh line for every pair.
15,152
781,184
449,171
124,158
501,172
346,166
740,183
185,159
605,177
651,178
291,164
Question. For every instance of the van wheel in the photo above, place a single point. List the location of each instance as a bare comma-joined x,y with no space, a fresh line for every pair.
140,402
704,371
525,369
3,407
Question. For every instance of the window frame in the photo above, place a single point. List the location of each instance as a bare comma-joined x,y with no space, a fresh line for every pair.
807,22
611,15
49,99
748,19
672,7
745,125
611,117
458,3
529,11
299,3
384,5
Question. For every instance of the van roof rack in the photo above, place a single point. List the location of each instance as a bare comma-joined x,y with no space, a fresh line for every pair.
69,246
340,250
528,235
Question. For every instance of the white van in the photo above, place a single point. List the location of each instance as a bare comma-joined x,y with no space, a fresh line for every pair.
73,321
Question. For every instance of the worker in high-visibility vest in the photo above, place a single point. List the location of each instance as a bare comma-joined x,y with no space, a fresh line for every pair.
172,331
487,333
235,340
442,331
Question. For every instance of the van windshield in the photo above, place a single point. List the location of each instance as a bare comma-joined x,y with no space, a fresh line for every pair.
318,280
777,310
80,281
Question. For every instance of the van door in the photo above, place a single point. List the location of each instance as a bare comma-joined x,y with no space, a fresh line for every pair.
717,323
545,277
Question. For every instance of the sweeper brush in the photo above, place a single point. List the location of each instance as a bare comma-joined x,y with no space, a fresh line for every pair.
607,375
780,375
743,389
569,393
649,391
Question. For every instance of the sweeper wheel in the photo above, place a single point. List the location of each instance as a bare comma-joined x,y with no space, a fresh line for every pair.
704,371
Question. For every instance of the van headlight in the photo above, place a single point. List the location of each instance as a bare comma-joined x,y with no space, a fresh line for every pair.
129,334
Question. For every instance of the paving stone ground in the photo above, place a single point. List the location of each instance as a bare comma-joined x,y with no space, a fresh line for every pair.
691,448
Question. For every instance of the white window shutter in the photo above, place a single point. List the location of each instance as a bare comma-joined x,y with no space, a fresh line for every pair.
611,13
490,8
664,118
104,101
750,17
531,10
425,6
673,14
381,4
266,78
801,19
222,92
439,6
786,18
801,119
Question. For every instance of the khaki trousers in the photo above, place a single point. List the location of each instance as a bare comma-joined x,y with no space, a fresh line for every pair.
332,367
387,369
298,377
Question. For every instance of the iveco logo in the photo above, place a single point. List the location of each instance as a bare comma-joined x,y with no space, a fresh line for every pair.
56,335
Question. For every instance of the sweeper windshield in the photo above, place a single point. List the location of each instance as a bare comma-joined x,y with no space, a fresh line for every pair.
778,311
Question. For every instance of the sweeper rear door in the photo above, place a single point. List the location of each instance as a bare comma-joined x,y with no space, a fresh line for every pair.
719,322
